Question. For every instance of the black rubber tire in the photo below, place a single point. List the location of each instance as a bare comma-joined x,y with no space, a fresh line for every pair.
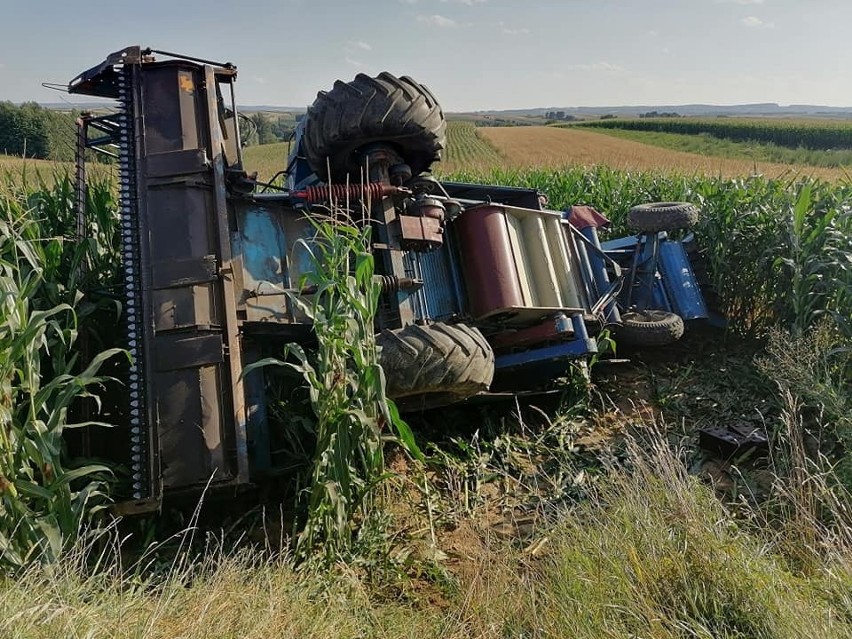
649,328
398,111
435,365
662,216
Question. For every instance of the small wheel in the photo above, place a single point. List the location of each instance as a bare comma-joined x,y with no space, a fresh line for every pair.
662,216
649,328
435,365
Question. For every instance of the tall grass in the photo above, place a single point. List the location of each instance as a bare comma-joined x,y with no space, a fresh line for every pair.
655,554
651,552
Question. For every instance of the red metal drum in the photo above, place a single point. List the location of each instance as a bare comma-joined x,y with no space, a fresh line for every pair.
488,260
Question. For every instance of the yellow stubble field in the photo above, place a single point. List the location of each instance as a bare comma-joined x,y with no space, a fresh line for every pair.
543,146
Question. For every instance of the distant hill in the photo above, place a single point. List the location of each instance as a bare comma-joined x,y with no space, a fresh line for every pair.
766,109
769,109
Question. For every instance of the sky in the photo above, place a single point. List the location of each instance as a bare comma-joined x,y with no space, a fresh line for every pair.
472,54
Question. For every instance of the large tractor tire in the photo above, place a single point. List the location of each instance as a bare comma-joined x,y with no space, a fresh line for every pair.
649,328
435,365
396,111
662,216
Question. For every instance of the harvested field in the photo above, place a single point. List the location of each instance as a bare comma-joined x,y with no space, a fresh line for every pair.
542,146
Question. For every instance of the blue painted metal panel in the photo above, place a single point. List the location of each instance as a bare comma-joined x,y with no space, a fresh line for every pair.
620,244
257,427
441,292
680,282
567,350
272,262
264,247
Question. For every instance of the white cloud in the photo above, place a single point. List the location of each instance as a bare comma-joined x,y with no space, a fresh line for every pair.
469,3
354,63
744,2
358,44
408,1
512,30
257,78
756,23
606,67
438,21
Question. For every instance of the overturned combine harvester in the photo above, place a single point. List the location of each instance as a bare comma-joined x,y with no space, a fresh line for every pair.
484,289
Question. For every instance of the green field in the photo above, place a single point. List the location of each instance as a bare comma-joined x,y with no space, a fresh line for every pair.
816,134
591,514
707,144
467,148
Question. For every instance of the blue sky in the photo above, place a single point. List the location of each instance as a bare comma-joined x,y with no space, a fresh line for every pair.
473,54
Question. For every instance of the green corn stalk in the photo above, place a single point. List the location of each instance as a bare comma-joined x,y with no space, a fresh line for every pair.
354,417
44,504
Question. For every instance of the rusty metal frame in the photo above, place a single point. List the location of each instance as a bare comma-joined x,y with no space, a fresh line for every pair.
226,272
147,311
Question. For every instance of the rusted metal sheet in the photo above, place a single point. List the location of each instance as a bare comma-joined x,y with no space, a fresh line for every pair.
556,328
176,351
191,414
185,395
184,272
731,441
185,307
420,233
176,163
236,393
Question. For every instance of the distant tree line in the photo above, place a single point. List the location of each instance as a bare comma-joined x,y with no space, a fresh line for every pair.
559,115
819,135
262,129
36,132
663,114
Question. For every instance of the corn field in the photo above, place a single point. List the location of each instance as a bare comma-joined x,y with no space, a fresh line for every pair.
466,147
794,134
53,298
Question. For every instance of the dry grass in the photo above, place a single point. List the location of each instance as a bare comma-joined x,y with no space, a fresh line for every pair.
30,170
547,146
15,163
266,159
650,553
